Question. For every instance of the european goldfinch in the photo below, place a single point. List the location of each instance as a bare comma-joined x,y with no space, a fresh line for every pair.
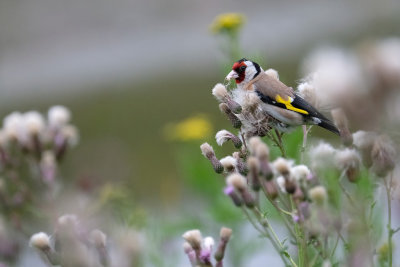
279,101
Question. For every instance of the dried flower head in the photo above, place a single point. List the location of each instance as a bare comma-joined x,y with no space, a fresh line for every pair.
237,181
229,163
208,152
300,172
194,238
383,155
236,123
282,166
347,158
364,142
224,135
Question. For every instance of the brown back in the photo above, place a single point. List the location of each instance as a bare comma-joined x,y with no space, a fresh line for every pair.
270,86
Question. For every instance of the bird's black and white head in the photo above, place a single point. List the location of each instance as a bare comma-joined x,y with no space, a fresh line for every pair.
243,71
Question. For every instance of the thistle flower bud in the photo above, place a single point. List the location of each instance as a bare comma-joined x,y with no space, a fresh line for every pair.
48,166
224,135
187,248
194,238
270,189
208,152
229,164
70,134
230,191
318,194
291,186
40,241
240,165
205,255
58,116
239,183
236,123
348,160
225,235
341,122
364,142
383,156
254,142
99,240
272,73
252,162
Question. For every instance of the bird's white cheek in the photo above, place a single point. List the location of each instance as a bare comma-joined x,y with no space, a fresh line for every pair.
231,75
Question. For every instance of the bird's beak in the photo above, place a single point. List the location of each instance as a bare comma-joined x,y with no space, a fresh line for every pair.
231,75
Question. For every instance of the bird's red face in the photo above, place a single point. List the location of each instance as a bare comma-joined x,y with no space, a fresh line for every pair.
238,71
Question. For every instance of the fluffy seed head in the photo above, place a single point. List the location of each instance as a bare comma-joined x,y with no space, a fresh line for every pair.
318,194
282,166
207,150
300,172
33,122
383,155
98,238
12,125
321,156
237,181
222,136
341,122
219,92
194,238
273,73
347,159
229,163
307,91
225,234
40,241
58,116
208,243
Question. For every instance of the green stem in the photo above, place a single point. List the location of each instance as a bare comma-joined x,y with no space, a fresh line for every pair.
389,225
299,240
274,236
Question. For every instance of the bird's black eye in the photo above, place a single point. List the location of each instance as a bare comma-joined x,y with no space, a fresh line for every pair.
242,68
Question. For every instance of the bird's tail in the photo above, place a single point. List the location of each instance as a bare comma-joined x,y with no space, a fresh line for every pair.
327,124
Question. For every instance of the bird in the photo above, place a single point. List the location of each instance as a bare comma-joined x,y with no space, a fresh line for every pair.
278,100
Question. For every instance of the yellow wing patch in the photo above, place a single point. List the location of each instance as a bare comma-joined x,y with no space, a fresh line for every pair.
288,104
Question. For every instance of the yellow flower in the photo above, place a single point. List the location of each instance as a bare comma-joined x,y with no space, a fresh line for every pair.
227,22
193,128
